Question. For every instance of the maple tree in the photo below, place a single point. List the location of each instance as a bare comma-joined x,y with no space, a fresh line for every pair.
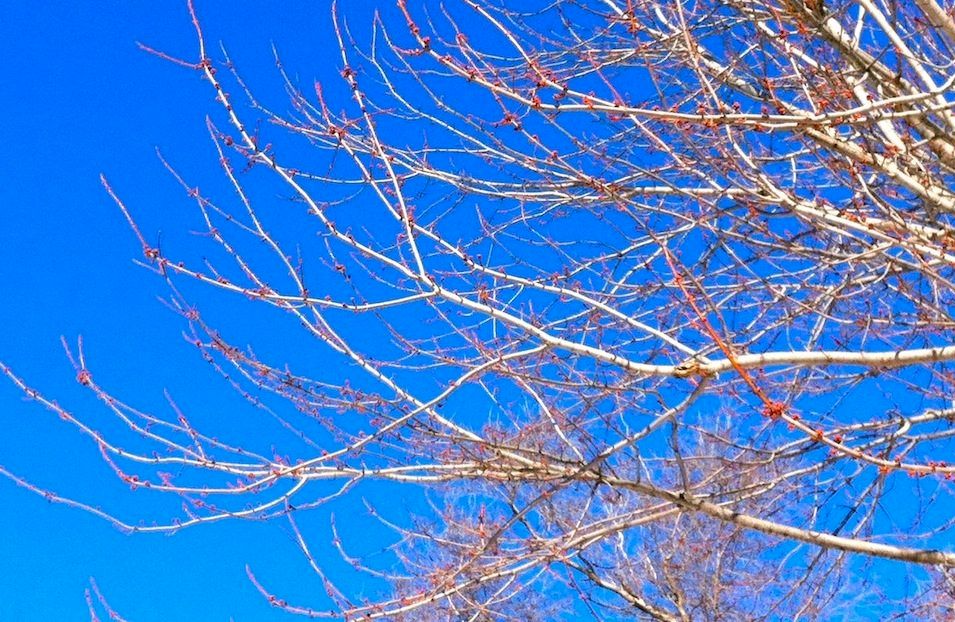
652,299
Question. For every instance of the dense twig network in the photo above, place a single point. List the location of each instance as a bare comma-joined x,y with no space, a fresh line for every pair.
651,297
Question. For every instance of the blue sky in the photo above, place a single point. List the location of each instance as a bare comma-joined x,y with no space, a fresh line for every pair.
79,99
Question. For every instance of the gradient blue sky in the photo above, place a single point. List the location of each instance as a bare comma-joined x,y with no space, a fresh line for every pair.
79,99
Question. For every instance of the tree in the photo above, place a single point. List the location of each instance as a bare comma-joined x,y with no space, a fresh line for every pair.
647,303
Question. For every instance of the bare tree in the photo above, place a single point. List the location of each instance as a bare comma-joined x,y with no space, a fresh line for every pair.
650,300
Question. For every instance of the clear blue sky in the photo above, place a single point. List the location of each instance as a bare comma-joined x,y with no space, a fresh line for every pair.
79,99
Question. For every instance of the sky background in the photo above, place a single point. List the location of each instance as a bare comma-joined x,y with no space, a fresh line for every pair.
81,99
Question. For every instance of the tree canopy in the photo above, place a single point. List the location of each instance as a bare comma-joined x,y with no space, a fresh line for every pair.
643,309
